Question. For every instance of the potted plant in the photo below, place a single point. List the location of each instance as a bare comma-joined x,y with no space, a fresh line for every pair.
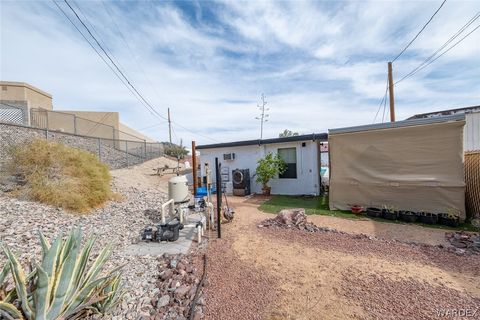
427,217
374,212
407,216
389,212
450,218
356,209
268,168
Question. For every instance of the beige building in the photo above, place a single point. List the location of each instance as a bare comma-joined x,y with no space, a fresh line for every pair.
20,91
35,108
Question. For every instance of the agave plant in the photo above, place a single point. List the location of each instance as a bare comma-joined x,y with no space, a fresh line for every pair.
62,286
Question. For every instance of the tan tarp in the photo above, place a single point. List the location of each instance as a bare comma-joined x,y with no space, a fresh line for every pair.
417,168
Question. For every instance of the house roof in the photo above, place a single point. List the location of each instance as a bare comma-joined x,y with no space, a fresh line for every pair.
399,124
446,112
258,142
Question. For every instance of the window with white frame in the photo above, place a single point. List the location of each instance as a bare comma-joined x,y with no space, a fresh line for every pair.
289,155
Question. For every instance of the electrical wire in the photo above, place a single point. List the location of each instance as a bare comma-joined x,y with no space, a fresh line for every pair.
113,62
150,107
419,32
145,102
433,57
381,102
99,54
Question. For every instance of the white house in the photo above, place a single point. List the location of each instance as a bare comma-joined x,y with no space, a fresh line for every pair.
471,132
302,155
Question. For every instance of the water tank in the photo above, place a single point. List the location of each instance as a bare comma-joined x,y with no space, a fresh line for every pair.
178,189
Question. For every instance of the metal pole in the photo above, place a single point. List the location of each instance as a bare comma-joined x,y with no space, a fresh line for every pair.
194,166
75,124
390,93
99,150
126,151
169,127
145,148
219,196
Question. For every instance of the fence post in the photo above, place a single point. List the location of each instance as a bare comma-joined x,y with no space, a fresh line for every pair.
46,134
126,151
75,124
145,148
46,113
99,149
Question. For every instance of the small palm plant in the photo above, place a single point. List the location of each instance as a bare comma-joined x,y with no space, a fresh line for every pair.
61,287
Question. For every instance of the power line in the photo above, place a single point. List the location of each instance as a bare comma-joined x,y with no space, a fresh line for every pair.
381,102
100,55
130,50
145,102
113,62
433,57
419,32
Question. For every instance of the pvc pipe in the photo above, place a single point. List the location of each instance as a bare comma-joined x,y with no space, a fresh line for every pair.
199,234
169,202
211,212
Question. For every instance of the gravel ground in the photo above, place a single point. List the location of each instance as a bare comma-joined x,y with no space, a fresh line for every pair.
118,222
408,299
332,275
235,289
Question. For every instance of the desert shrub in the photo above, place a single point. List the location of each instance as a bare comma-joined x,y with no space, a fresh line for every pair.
59,175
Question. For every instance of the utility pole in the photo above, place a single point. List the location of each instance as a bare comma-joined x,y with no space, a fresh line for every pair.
390,93
263,115
169,127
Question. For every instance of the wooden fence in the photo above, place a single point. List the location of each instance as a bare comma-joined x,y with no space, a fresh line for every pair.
472,179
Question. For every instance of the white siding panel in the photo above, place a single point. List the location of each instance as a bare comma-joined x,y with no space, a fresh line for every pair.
472,132
246,157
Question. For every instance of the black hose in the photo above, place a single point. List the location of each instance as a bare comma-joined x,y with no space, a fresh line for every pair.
197,292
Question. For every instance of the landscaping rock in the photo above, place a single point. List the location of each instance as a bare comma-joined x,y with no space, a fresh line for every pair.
464,242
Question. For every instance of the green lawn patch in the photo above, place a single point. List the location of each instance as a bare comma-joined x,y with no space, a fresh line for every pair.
319,205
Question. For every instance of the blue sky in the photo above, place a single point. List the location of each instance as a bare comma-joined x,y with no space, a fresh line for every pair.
320,64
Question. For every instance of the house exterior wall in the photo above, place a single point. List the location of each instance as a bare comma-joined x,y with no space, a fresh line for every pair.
472,132
246,157
19,91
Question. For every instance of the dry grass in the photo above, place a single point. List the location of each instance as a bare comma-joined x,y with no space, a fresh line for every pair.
61,176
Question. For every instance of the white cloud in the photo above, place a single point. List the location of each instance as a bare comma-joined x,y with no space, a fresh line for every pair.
321,65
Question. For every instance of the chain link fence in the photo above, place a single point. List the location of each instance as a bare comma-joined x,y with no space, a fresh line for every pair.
114,152
14,112
72,123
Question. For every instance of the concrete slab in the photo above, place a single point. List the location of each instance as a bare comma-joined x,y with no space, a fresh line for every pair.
182,245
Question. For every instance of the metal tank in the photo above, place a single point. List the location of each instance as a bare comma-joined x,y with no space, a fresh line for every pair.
178,189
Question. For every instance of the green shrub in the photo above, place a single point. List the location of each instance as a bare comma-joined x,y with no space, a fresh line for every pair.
61,286
60,175
268,168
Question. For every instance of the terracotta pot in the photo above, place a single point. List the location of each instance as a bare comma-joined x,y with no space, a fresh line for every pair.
356,209
266,191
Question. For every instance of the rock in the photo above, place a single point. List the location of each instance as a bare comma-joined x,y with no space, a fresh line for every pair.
163,301
181,291
167,274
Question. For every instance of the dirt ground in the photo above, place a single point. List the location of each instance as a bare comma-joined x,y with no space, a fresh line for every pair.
143,176
260,273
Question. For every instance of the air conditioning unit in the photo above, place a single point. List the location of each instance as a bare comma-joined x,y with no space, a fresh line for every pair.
229,156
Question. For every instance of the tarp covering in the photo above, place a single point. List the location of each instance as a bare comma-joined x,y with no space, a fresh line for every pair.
418,168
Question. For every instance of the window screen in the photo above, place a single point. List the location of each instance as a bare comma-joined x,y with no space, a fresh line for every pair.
289,155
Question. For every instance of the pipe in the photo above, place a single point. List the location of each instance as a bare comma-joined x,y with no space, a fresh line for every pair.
199,233
199,288
169,202
210,213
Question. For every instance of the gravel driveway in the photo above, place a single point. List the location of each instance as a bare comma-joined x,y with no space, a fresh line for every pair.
264,273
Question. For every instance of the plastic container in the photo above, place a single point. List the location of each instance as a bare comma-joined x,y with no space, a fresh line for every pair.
178,189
